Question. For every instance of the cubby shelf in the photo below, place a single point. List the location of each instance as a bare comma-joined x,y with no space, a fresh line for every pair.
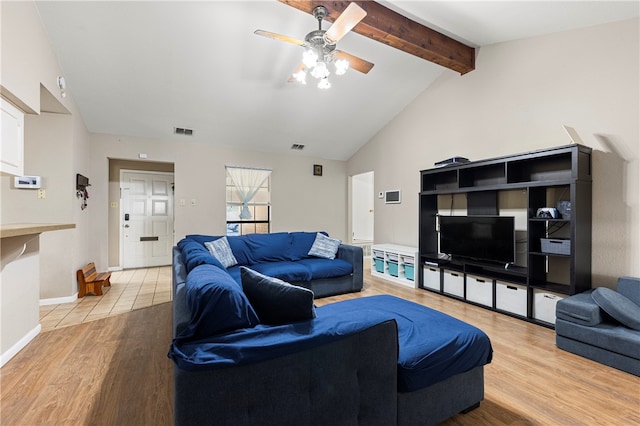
542,277
395,263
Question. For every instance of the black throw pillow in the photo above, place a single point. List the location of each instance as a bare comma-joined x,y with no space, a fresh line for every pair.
275,301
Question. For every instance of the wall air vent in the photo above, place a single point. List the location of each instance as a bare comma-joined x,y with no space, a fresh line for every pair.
182,131
297,146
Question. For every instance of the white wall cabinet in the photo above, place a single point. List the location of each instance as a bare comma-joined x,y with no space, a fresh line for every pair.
394,263
12,143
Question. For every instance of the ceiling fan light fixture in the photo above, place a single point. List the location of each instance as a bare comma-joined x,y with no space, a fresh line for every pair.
320,70
300,76
309,58
342,65
324,83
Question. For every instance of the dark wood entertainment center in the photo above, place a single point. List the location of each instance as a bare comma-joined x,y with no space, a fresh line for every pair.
516,185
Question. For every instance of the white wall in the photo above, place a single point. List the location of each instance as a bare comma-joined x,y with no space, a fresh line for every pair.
517,100
55,148
300,200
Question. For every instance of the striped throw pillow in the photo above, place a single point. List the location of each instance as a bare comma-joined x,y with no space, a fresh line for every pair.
221,250
324,247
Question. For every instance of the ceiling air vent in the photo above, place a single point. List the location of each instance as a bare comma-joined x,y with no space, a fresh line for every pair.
297,146
182,131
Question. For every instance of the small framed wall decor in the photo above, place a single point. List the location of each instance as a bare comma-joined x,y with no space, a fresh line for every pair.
317,169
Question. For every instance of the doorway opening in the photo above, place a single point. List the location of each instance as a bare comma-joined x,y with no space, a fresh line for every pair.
362,214
150,216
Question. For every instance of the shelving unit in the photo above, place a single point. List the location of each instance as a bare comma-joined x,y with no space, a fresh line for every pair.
529,289
394,263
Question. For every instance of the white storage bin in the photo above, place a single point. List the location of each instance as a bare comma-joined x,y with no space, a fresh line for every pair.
511,298
409,260
480,290
544,305
378,254
453,283
431,277
392,256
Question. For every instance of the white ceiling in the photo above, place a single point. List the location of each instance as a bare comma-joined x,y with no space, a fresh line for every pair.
142,68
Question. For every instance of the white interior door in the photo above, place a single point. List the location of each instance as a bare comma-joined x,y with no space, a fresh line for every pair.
362,206
146,218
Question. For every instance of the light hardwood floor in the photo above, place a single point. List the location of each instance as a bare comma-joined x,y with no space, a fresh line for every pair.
114,371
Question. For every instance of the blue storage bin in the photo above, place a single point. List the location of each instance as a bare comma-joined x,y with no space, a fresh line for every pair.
379,265
408,272
393,268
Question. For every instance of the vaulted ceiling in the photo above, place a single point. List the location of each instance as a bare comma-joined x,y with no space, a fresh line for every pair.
144,68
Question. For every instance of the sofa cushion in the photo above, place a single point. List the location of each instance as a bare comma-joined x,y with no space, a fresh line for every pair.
240,249
237,244
268,247
288,271
324,246
217,304
221,250
607,335
195,254
629,287
618,306
301,243
325,268
433,346
579,308
234,271
275,301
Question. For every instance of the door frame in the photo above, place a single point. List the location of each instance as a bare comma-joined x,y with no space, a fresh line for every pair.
352,196
121,209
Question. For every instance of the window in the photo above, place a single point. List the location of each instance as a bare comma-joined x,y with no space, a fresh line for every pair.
248,201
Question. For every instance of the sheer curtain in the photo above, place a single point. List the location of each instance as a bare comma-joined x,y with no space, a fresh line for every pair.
247,182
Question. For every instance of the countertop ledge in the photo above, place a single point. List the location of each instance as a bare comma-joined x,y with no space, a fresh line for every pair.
19,229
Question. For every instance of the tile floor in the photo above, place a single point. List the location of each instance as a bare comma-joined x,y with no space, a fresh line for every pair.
130,289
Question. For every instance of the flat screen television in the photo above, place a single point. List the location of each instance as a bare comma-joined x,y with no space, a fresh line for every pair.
487,238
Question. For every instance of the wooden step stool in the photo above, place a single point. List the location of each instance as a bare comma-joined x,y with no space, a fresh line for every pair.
90,281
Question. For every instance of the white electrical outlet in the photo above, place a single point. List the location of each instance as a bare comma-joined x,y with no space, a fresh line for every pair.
193,201
42,194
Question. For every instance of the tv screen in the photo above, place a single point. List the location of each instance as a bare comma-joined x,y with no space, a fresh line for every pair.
490,238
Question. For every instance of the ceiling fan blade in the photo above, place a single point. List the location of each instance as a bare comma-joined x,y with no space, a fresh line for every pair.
280,37
292,79
356,63
344,23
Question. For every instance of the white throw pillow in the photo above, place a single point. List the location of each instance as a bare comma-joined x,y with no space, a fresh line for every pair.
324,247
221,250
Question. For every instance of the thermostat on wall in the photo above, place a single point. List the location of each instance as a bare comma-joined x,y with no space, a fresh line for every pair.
27,182
392,197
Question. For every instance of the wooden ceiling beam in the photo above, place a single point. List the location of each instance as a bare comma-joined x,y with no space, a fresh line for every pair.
386,26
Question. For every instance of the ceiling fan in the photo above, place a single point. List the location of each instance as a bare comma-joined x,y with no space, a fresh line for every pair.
321,47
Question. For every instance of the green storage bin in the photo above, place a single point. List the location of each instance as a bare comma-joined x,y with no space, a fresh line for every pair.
379,265
393,268
408,272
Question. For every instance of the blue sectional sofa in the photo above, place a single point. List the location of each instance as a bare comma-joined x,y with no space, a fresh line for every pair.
376,360
603,325
284,255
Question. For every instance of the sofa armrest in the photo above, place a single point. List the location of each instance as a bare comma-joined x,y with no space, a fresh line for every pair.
353,255
579,309
181,313
349,381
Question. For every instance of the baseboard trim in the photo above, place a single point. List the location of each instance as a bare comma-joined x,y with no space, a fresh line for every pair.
114,268
20,344
59,300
